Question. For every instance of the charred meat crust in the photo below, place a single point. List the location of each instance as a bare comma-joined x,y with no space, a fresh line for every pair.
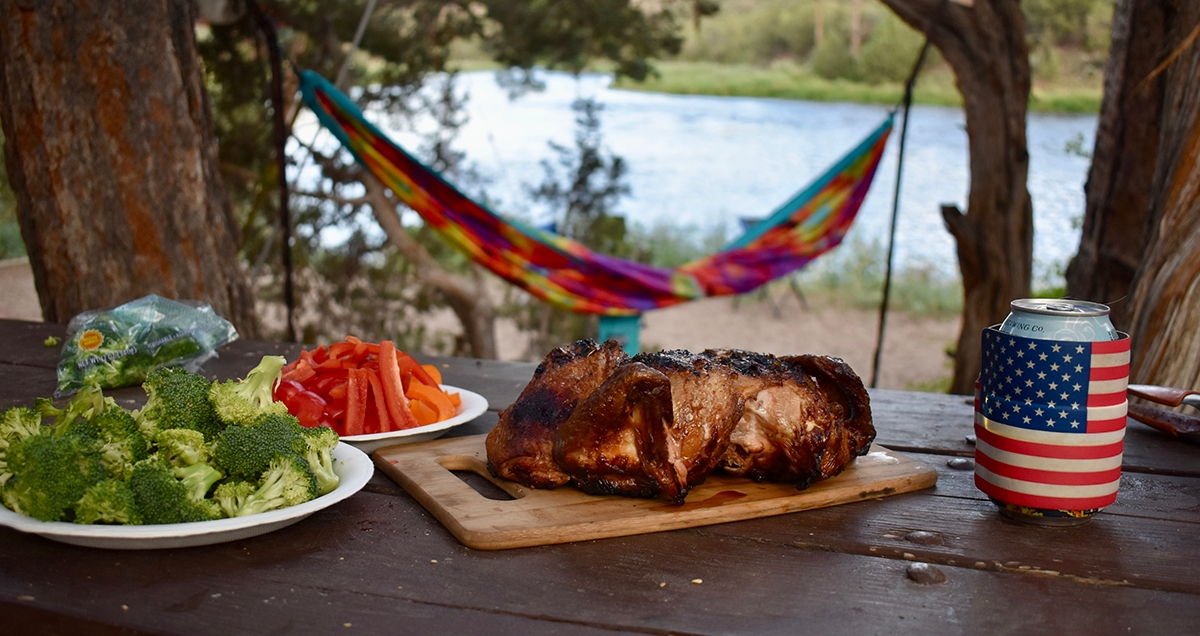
520,447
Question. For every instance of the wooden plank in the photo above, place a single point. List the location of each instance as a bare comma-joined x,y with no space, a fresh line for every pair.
1140,495
541,517
24,343
957,526
384,565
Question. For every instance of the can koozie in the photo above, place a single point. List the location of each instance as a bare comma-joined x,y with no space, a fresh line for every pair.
1050,423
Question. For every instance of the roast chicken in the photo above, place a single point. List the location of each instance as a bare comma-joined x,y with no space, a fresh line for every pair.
657,424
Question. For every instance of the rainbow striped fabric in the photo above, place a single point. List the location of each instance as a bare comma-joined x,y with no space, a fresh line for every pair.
568,275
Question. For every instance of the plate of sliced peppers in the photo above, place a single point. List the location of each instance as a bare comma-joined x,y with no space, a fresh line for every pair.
373,394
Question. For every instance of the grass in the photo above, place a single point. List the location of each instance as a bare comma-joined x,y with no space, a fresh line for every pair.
786,80
789,80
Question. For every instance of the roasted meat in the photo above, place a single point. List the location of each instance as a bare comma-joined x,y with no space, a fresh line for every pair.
521,447
805,419
657,424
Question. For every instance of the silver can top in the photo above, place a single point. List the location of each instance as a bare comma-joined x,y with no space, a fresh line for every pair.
1059,307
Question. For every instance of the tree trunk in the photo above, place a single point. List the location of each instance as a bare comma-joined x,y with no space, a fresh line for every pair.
818,24
985,45
112,157
1115,222
856,28
1165,305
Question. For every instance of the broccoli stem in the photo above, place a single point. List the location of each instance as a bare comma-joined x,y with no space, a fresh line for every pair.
197,478
269,495
322,466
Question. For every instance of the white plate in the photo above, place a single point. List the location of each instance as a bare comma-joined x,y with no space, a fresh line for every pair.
353,467
473,405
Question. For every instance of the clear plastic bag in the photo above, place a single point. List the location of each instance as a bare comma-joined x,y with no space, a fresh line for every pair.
118,346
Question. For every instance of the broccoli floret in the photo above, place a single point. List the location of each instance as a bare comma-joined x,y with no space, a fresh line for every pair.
183,447
177,398
162,498
232,495
88,402
321,442
287,481
243,452
240,401
186,453
16,424
120,441
110,502
50,474
20,422
197,478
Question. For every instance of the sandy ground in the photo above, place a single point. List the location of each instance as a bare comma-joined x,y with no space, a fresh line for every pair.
914,352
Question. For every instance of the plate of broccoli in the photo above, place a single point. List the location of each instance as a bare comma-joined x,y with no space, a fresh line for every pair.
201,462
353,467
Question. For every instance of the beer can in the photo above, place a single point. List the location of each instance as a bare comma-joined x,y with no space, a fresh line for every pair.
1050,408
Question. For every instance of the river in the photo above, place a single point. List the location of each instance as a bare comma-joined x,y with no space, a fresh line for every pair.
700,162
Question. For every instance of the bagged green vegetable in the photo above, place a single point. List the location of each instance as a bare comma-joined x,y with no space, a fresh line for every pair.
117,347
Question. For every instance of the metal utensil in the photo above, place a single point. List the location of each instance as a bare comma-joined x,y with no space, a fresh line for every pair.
1180,425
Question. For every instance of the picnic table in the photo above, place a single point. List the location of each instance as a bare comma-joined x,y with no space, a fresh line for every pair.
938,560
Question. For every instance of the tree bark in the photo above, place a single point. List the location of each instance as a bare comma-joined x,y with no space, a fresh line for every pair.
985,45
112,157
1115,222
1165,305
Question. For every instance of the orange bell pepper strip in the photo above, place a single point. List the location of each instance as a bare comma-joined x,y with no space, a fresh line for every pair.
434,398
393,387
434,373
424,414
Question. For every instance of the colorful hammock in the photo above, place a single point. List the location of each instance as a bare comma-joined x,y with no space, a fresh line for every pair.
568,275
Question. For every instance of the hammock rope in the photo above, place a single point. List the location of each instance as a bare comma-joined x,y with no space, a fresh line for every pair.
568,275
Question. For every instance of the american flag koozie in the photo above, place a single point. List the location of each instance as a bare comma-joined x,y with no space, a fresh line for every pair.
1050,421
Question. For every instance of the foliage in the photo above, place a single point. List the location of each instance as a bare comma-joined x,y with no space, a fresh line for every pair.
350,278
790,80
889,55
853,276
744,33
1069,41
833,60
582,189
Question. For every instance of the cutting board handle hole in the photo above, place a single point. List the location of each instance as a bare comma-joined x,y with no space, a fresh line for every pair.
474,473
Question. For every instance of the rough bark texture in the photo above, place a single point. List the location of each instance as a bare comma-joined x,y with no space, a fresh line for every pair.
985,45
1115,222
1165,300
111,155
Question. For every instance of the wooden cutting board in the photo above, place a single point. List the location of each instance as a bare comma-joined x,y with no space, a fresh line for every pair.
542,517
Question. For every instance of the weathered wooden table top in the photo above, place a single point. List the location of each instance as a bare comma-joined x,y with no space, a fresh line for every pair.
379,563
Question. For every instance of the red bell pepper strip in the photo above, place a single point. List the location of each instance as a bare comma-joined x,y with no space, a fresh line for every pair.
382,423
356,403
393,387
410,367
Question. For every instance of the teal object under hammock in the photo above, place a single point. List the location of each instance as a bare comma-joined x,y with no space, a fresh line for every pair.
567,274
